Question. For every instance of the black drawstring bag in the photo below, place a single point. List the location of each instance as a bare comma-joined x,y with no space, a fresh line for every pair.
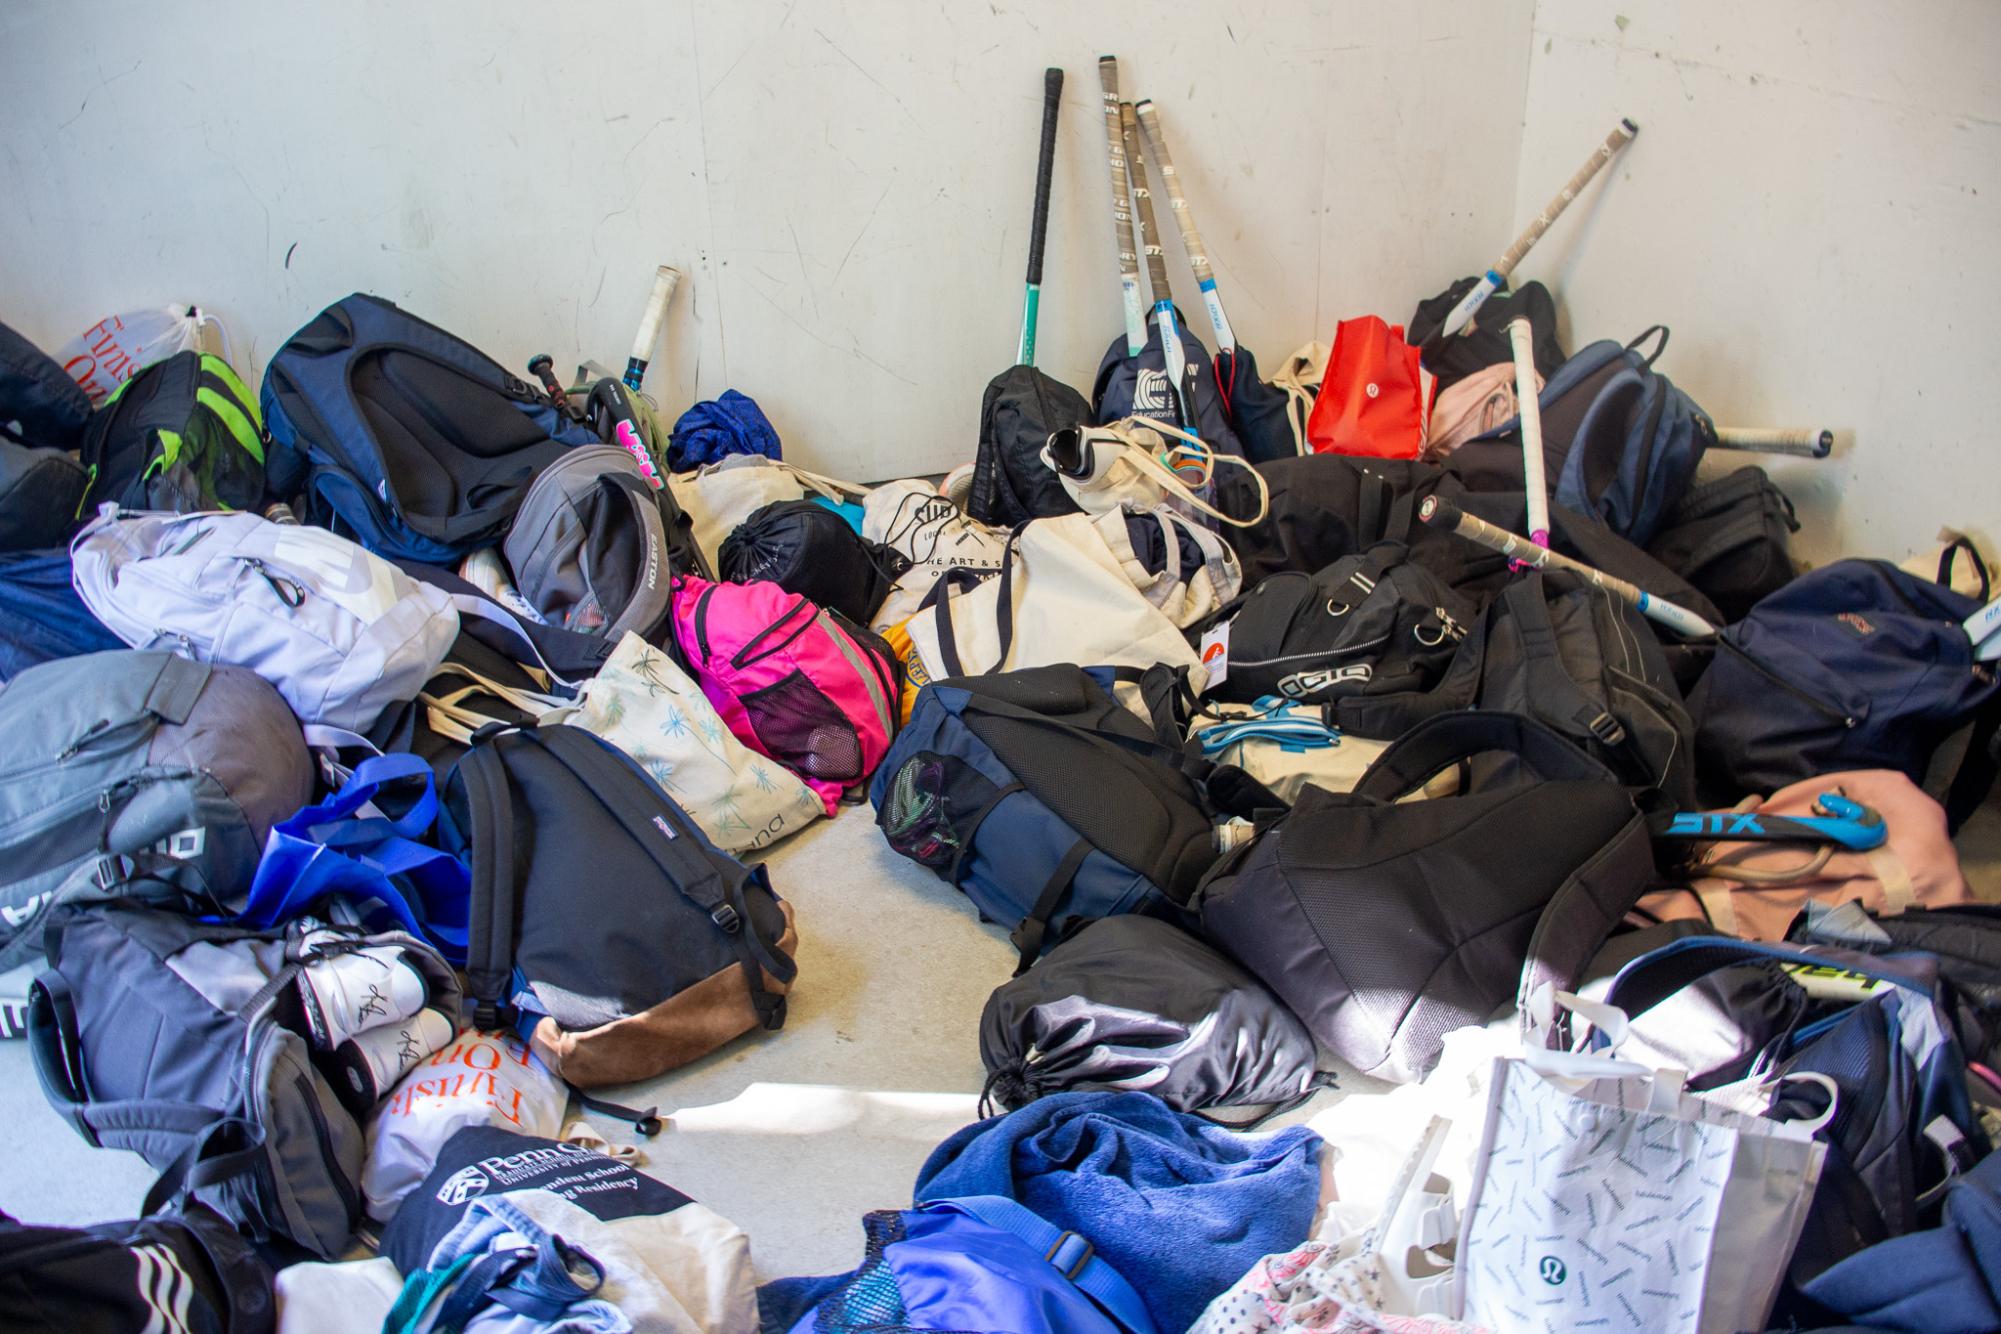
1132,1002
807,549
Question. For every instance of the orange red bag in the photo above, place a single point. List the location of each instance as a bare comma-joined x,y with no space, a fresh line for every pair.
1375,399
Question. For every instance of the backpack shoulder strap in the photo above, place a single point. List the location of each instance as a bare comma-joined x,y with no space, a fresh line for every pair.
1450,737
1067,1252
493,907
1655,976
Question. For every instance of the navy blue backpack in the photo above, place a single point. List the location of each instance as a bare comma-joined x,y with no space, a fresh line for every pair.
1856,665
403,437
1619,439
1049,805
1128,386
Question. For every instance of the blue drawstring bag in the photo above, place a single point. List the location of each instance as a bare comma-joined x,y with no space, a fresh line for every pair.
375,862
712,431
978,1265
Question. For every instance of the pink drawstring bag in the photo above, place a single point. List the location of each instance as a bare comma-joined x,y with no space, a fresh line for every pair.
792,680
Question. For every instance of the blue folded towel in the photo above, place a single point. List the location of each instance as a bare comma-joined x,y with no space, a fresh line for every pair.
712,431
1181,1207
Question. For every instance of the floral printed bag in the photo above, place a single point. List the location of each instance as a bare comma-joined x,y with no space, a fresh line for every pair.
644,704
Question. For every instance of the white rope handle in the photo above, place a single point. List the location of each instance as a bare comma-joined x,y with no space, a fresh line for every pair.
1147,459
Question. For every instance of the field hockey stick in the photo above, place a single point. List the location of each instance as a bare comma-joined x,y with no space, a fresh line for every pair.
1191,239
1490,282
1843,821
1805,442
1529,408
1174,357
1038,223
1122,211
1984,629
1444,514
665,281
543,367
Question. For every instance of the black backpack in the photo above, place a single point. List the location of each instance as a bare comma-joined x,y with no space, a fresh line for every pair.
184,1041
1384,924
43,414
183,434
1728,538
641,945
1137,386
1021,409
175,1273
1368,624
1580,661
398,434
1484,342
806,548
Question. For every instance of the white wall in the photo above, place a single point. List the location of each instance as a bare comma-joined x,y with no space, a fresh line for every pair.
845,184
1812,205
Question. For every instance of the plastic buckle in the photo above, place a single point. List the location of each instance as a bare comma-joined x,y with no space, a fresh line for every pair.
1070,1254
1607,729
486,1016
726,918
110,873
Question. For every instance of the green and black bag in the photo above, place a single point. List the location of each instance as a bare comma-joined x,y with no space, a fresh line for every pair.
184,435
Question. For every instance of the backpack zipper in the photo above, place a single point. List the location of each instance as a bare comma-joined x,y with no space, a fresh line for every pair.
342,1186
842,646
1830,710
745,654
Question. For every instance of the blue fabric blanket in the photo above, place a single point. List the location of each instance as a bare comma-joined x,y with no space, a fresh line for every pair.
1180,1207
712,431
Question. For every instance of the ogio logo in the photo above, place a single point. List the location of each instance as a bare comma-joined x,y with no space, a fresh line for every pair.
1302,684
462,1185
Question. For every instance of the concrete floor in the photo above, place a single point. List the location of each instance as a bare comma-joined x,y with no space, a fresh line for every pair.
796,1134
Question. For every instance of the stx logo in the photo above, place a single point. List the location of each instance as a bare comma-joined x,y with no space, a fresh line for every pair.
1723,823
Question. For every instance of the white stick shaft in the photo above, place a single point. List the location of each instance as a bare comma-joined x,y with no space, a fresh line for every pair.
1807,441
1132,307
1521,337
1469,305
1621,135
665,280
1191,239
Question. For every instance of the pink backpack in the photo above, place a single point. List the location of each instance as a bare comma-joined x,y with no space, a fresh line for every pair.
790,679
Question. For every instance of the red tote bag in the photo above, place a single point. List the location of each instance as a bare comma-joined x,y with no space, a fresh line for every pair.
1375,400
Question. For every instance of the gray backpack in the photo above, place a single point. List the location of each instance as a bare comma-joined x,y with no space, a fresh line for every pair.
182,1041
589,545
341,632
142,768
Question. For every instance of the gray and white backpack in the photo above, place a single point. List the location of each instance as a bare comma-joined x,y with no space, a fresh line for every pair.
144,769
589,545
341,633
185,1042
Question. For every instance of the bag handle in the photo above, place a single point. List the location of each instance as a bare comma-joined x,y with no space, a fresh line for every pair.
948,639
1653,977
1068,1253
1447,738
1659,347
1962,543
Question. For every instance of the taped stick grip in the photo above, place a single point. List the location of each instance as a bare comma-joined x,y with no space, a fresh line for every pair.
1052,101
1143,216
666,280
1621,135
1804,442
1122,213
1191,238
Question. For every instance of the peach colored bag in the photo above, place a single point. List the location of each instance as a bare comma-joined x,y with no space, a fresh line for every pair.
1754,890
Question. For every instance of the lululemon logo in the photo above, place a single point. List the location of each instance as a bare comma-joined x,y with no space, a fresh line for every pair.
1552,1270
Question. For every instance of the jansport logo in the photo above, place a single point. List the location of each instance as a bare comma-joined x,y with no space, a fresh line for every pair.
463,1185
1858,623
660,823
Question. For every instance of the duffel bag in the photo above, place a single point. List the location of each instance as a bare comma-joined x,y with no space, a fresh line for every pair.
182,1272
1385,924
1728,538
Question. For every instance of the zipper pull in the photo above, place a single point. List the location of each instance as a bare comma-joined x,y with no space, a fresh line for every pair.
90,734
289,593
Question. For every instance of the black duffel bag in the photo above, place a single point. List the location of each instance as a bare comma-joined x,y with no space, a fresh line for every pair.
1386,924
807,549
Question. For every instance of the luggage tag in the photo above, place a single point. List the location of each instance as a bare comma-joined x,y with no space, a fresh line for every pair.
1215,651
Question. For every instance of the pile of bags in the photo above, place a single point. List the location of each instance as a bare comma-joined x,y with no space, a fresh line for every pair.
318,698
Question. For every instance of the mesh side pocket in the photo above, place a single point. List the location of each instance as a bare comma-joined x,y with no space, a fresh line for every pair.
871,1302
929,801
803,728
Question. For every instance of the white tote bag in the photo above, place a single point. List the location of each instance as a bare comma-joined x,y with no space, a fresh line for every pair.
1185,592
935,535
1286,745
644,704
1132,463
1602,1189
719,497
1062,597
